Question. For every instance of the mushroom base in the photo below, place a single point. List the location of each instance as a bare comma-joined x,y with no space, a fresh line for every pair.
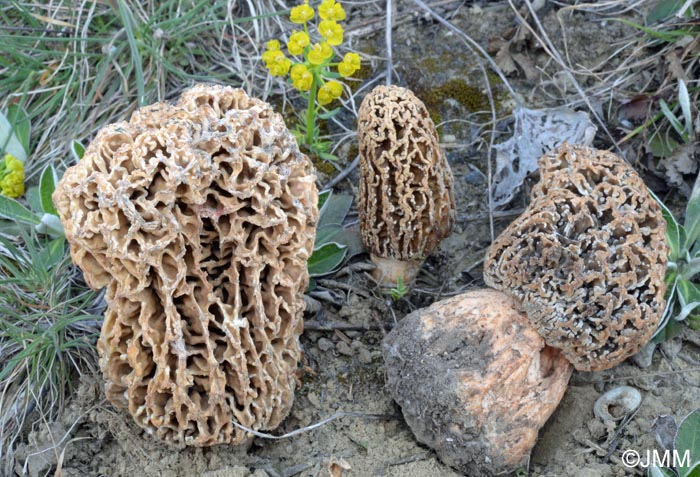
390,270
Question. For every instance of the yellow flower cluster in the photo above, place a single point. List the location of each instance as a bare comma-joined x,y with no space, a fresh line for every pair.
350,64
302,78
315,67
329,91
274,59
11,177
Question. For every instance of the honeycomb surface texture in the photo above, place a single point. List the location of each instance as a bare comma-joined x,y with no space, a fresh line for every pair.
587,259
406,202
199,218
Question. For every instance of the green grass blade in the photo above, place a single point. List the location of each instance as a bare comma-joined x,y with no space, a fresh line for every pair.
128,22
673,120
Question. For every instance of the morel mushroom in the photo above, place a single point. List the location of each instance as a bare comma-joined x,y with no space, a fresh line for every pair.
200,217
405,199
474,380
587,259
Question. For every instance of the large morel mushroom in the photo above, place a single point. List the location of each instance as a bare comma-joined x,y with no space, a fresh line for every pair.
587,259
406,203
199,217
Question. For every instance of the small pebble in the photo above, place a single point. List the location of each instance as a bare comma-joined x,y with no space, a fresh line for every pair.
324,344
596,428
644,357
364,356
313,399
474,177
671,348
344,348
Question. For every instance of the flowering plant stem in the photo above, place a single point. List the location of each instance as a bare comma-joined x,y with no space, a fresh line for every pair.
310,71
311,111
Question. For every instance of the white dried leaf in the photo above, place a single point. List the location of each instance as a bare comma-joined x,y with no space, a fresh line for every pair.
536,131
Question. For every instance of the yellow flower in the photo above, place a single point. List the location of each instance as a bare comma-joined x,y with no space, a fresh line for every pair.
301,77
330,10
272,52
11,177
319,53
277,63
350,64
331,31
302,13
297,42
329,91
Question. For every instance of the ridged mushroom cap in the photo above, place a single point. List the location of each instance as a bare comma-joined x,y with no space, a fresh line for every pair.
587,259
406,202
200,217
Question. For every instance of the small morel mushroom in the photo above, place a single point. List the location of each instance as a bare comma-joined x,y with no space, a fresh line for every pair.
587,259
405,199
474,380
200,217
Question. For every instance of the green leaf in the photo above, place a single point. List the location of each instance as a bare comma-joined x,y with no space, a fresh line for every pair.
663,10
334,210
694,322
21,126
669,36
662,145
329,114
688,439
10,228
50,224
674,232
52,254
327,234
692,216
330,74
689,297
13,210
675,122
8,141
323,197
684,101
326,156
312,285
47,184
77,149
654,471
694,472
326,259
33,199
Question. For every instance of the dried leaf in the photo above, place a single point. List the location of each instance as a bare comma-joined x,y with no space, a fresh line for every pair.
636,109
527,65
665,429
681,162
504,60
336,466
535,132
